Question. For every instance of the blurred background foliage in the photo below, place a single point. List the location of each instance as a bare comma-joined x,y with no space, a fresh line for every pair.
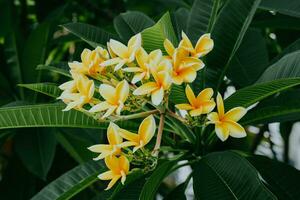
31,36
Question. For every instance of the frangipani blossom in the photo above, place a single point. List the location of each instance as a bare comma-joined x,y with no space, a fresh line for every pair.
77,92
114,98
184,67
202,104
115,143
203,46
91,61
145,133
123,54
162,81
118,168
145,63
226,123
169,47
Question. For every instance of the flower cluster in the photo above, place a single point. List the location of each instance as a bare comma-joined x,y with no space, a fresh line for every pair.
123,78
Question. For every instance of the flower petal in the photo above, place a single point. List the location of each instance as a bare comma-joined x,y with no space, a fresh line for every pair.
190,95
124,164
113,182
235,129
109,111
222,131
138,77
141,58
108,92
119,65
132,69
205,94
113,134
196,112
208,107
122,91
99,148
108,175
220,105
184,106
100,107
145,88
187,44
110,62
204,45
118,48
235,114
213,118
132,137
169,47
157,96
112,163
188,74
147,129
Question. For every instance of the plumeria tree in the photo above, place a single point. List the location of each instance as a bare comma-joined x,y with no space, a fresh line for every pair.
185,92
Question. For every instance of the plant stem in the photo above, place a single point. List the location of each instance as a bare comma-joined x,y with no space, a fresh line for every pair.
159,134
136,115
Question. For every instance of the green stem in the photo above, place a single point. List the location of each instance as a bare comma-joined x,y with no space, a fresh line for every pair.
136,115
159,135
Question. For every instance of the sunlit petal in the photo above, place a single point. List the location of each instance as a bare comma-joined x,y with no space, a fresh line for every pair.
132,69
110,62
235,129
145,88
147,129
118,48
208,106
108,175
113,182
184,106
222,131
235,114
205,94
138,77
188,74
100,148
108,92
141,58
169,47
124,164
122,91
196,112
190,95
99,107
213,117
204,45
129,136
157,96
109,111
187,44
220,105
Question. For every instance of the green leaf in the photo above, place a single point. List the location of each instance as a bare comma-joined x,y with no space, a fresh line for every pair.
50,89
45,115
153,37
287,7
71,183
61,68
177,94
250,60
151,186
227,175
249,95
295,46
286,185
286,67
179,20
236,16
200,18
93,35
36,148
130,23
178,193
281,108
34,52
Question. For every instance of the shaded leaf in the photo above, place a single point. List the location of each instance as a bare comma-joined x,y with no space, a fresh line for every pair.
287,7
50,89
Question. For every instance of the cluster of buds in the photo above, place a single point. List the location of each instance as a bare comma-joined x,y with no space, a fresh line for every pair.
108,82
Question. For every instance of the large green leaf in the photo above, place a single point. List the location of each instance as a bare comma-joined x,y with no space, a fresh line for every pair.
153,37
286,185
250,60
200,18
71,183
295,46
228,33
130,23
36,148
151,186
50,89
93,35
177,94
283,107
45,115
179,20
227,176
287,7
286,67
252,94
60,68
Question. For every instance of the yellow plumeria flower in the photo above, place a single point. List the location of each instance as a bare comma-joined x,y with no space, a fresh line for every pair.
202,104
184,67
115,143
123,54
169,47
77,92
145,62
203,46
226,123
162,81
118,168
145,133
114,98
91,61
